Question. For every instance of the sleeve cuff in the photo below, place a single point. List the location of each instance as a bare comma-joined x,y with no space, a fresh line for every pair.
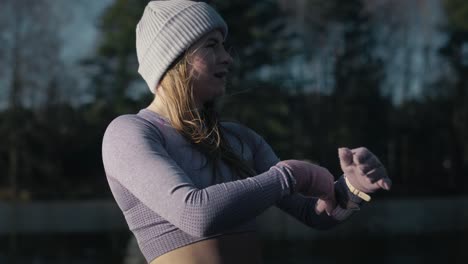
341,214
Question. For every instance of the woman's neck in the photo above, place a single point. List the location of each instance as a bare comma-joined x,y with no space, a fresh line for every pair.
158,107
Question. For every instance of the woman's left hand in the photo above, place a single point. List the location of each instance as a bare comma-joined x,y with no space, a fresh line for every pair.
364,170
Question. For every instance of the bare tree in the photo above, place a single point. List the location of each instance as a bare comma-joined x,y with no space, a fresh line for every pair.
30,50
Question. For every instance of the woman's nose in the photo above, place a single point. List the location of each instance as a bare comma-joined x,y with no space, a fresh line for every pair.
226,58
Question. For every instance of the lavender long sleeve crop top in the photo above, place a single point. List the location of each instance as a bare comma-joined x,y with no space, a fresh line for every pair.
167,194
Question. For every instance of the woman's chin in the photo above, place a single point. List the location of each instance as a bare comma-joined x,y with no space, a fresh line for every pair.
218,92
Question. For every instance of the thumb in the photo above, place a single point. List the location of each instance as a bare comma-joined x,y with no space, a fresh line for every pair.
320,206
346,157
385,183
325,205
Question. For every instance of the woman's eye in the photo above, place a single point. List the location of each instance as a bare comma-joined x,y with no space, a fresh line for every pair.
211,45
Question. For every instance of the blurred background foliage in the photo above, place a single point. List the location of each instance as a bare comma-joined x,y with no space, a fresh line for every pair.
309,76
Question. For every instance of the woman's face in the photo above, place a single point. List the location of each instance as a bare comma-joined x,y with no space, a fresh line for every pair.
208,66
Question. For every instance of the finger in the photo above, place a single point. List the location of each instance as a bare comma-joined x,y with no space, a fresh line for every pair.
360,149
385,183
346,157
329,201
369,165
320,206
377,174
361,155
325,205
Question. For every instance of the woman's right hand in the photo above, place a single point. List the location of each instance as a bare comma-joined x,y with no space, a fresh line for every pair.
313,180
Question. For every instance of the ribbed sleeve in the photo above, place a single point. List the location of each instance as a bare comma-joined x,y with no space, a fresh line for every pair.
134,156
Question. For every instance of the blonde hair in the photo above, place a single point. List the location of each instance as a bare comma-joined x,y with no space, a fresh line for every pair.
201,127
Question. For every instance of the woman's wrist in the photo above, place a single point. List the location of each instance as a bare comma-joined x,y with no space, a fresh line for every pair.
364,196
345,198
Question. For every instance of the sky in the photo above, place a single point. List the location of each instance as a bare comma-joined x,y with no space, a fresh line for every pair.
80,34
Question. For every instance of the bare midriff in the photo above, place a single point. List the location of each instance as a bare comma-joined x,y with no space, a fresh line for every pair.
233,248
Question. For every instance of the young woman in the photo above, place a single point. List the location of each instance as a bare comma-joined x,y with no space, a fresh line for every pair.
191,186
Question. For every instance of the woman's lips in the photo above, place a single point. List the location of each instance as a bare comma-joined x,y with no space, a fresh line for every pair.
220,75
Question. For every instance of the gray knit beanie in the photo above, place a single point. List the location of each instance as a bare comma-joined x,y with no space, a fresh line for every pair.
166,30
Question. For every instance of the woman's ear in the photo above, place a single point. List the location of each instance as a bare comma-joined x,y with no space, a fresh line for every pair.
159,90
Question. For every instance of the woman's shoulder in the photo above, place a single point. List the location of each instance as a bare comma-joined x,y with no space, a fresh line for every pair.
127,121
130,125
